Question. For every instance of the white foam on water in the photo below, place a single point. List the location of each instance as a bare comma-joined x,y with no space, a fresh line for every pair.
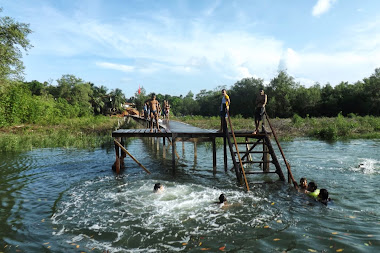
131,211
367,166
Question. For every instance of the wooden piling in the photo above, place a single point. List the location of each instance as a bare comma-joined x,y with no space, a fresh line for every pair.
213,155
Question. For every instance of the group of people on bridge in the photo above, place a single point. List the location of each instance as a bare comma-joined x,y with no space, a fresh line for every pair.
153,111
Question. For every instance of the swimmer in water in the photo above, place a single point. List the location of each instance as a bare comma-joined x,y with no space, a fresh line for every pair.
323,196
158,188
222,199
312,190
303,185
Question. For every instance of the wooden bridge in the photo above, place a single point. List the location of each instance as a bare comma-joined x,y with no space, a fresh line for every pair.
241,152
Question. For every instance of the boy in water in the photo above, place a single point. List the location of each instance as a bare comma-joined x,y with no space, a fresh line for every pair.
312,190
323,196
303,185
158,188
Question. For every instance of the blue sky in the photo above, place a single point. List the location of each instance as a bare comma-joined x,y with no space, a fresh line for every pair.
172,47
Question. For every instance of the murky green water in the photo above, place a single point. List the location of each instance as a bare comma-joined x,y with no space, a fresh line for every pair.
69,200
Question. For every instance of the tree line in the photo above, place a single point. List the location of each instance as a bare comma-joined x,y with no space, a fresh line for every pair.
286,97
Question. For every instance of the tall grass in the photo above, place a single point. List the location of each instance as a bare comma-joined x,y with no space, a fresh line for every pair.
87,132
337,128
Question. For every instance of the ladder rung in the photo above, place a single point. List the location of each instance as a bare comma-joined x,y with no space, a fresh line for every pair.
260,172
243,143
256,162
253,152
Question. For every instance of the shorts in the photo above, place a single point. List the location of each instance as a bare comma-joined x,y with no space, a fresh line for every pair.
259,112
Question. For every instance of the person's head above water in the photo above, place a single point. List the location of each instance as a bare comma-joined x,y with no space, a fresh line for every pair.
222,198
312,187
303,183
158,187
323,194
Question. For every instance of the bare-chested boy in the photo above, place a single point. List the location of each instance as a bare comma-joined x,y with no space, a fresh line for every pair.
154,106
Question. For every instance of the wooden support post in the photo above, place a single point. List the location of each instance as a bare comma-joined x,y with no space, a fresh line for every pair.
163,141
134,159
274,158
195,151
157,144
173,150
214,155
225,151
266,157
123,154
117,162
183,148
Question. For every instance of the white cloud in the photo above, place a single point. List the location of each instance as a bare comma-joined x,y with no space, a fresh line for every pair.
120,67
321,7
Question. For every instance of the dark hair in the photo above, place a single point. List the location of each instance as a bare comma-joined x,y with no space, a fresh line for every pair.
222,198
223,90
156,187
302,180
153,95
323,194
312,187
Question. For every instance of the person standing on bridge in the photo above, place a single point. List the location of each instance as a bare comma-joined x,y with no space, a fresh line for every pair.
261,101
224,107
154,106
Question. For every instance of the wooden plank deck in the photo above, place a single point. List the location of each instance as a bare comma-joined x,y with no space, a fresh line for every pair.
178,129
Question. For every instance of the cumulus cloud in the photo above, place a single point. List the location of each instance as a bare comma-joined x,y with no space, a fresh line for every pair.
321,7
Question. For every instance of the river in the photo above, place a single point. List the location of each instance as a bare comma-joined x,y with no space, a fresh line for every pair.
69,200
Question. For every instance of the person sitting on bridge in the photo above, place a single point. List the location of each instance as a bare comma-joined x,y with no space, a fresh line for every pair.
224,107
154,110
158,188
261,101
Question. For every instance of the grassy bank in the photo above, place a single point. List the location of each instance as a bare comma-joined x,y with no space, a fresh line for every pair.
338,128
87,132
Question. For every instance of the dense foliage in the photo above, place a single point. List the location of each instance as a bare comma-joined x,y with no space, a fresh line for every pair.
35,102
286,97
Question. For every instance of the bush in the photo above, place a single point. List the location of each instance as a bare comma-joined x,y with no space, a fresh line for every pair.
297,120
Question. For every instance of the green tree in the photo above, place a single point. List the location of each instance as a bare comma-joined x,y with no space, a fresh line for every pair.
13,38
281,92
243,95
118,99
372,92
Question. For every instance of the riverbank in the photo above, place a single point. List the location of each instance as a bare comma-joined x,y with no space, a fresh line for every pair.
338,128
86,132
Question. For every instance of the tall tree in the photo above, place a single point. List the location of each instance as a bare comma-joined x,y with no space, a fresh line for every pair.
13,38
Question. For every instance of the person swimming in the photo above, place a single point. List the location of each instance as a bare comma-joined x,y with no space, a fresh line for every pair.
158,188
312,190
222,199
323,196
303,185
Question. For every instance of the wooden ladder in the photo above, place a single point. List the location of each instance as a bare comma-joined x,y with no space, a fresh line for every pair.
267,153
241,172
